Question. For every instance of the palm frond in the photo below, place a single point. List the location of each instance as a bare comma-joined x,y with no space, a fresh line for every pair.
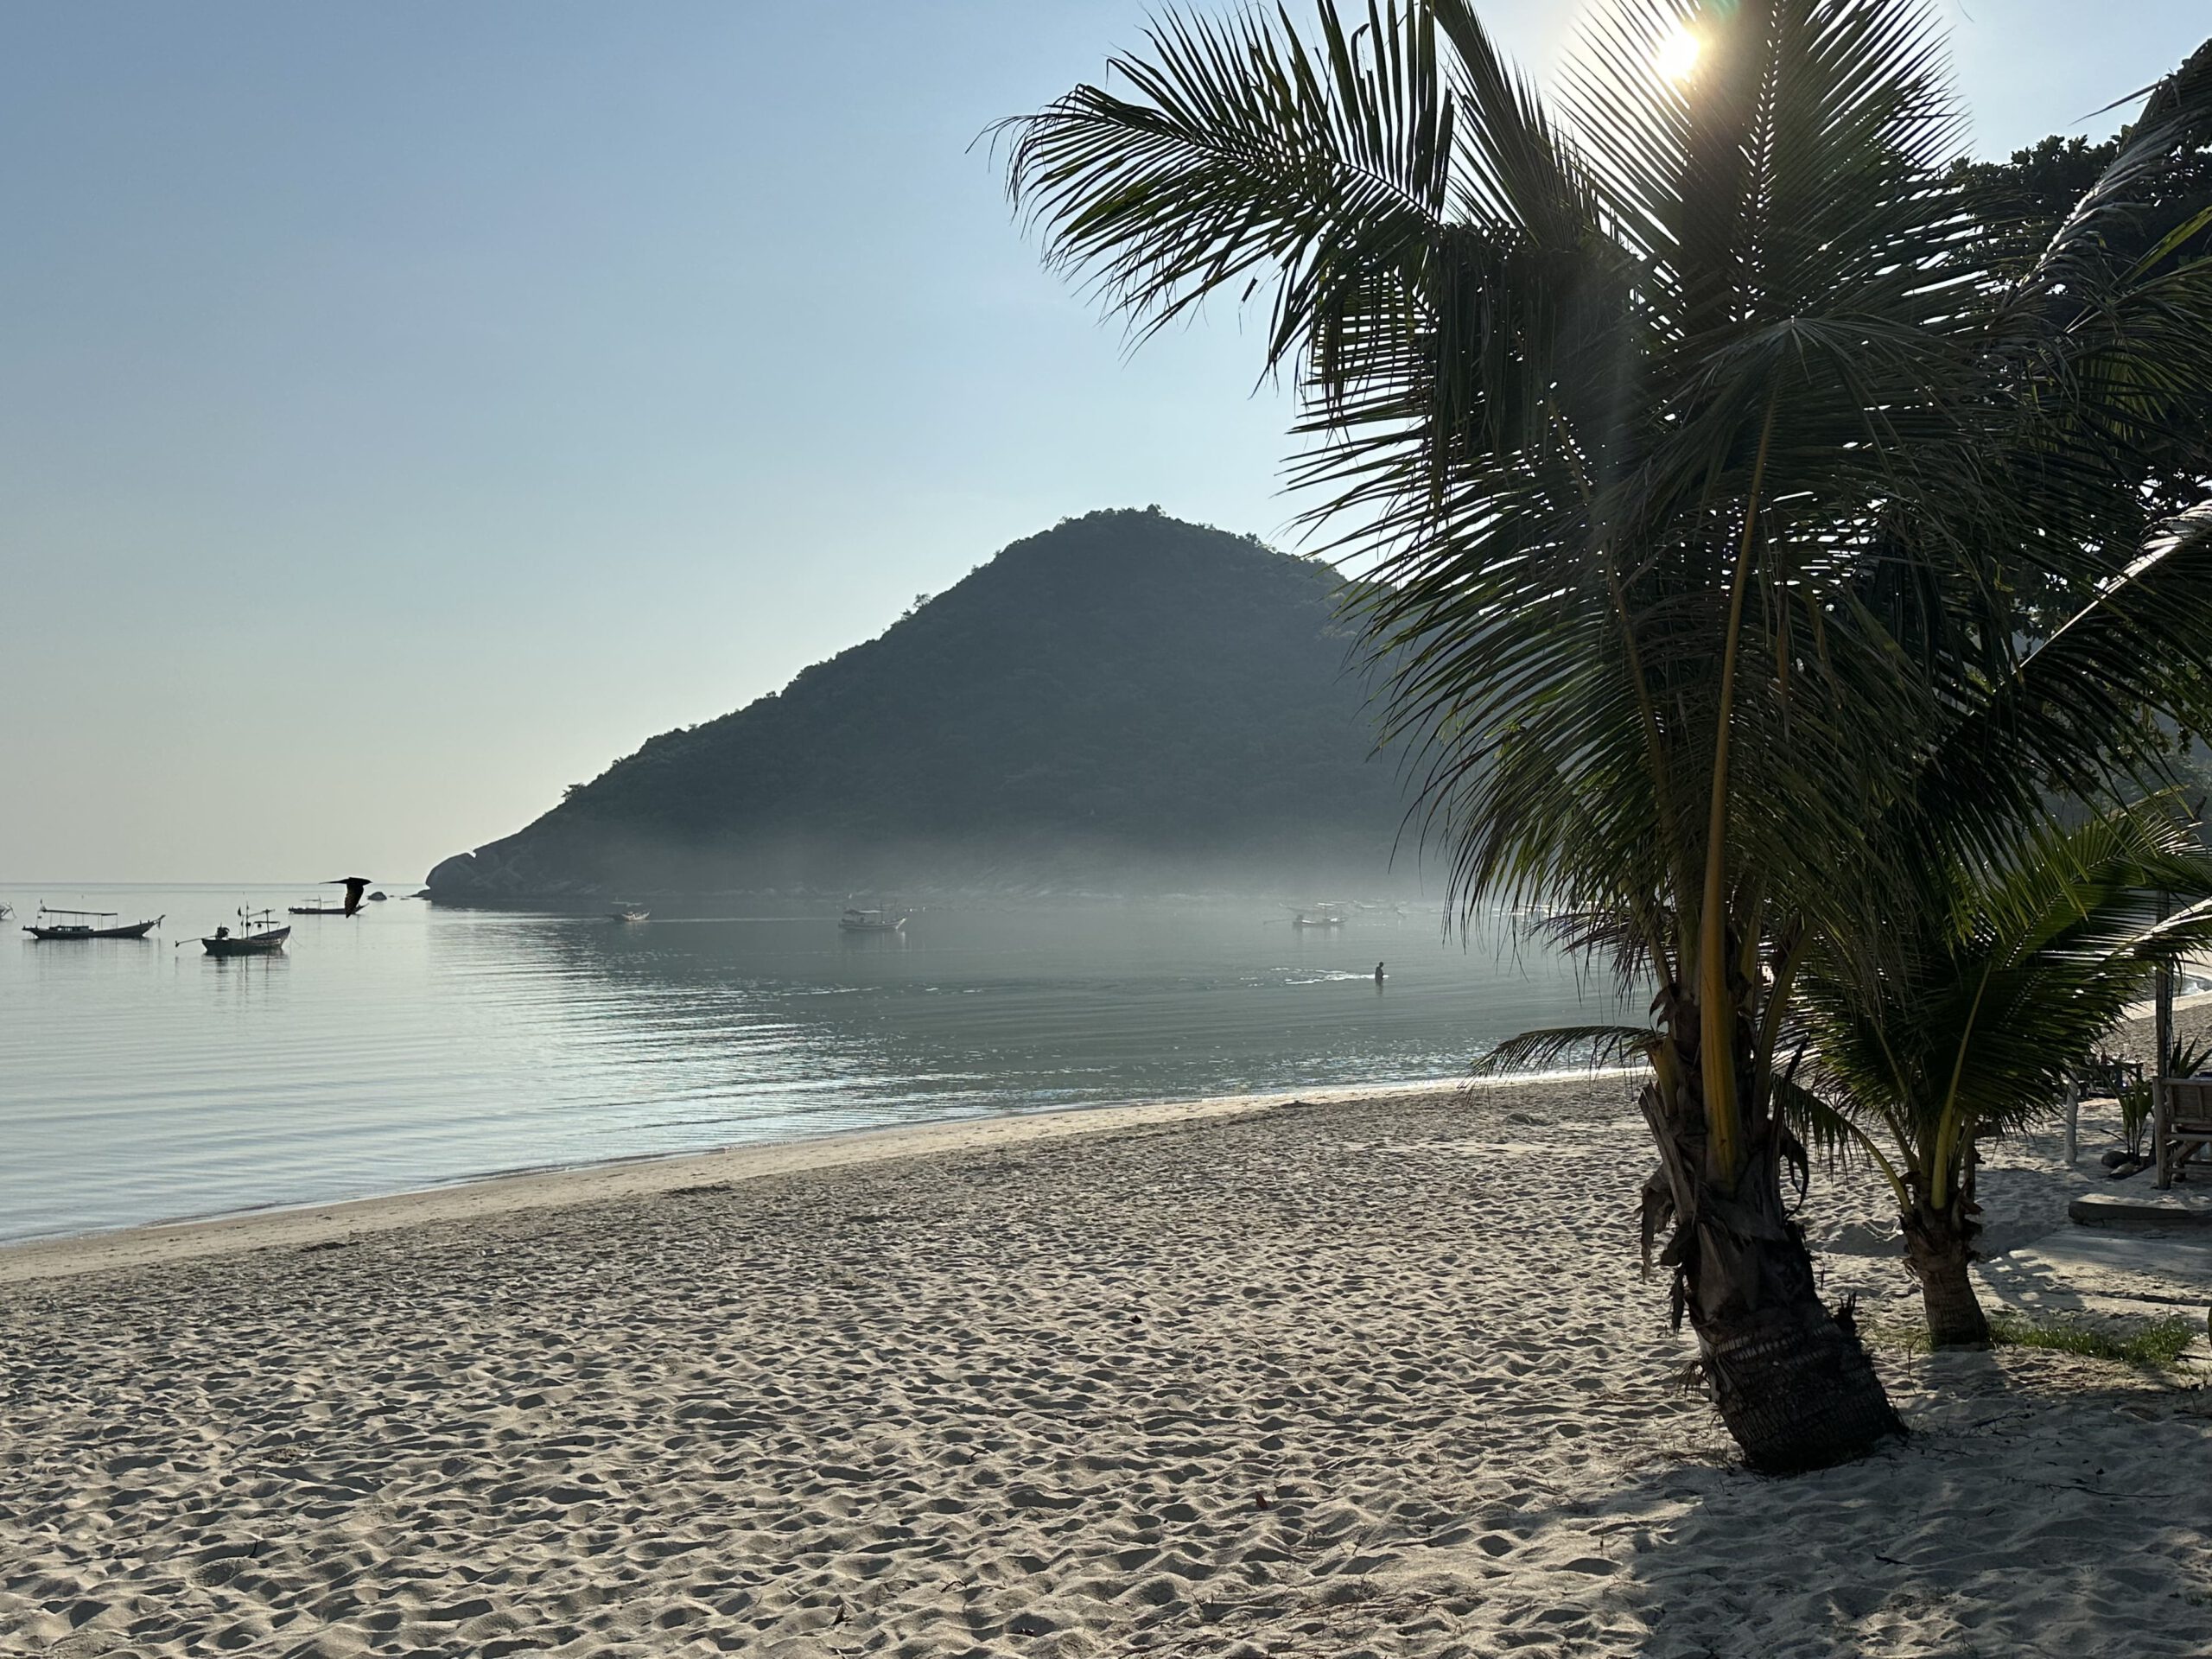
1247,156
1555,1046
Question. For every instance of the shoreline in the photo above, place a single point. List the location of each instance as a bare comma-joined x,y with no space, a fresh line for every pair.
653,1174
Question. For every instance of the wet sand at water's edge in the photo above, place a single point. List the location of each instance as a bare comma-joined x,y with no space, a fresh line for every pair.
1372,1376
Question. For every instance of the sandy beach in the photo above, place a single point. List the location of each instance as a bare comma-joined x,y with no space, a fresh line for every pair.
1366,1376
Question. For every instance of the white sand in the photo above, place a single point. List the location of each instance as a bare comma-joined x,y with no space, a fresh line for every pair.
1371,1378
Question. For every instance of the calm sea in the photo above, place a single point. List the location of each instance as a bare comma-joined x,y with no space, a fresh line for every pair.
416,1046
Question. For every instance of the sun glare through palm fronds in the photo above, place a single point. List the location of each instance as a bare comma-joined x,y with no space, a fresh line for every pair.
1676,58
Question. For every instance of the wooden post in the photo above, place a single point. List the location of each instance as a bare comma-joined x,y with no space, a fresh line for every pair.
2162,1117
2163,1027
2074,1122
2164,1022
2162,1110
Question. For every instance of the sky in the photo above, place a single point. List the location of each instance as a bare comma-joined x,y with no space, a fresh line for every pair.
407,410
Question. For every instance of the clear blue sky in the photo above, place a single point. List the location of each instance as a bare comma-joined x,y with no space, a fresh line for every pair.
406,409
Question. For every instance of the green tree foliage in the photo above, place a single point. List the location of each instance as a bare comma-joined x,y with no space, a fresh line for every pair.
2163,215
2020,204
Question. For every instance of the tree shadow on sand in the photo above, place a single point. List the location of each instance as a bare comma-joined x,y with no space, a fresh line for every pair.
2045,1504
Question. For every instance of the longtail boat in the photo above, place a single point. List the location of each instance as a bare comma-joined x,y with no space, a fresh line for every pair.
257,935
353,885
871,921
87,925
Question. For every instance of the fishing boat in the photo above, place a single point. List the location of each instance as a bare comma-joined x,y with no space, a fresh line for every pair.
354,885
87,925
870,921
257,936
627,914
1317,916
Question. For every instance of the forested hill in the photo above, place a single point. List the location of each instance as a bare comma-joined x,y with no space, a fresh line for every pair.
1123,699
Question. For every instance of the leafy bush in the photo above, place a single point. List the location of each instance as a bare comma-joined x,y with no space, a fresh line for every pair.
2136,1103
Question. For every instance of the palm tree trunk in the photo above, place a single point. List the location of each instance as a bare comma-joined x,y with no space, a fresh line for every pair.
1791,1377
1939,1246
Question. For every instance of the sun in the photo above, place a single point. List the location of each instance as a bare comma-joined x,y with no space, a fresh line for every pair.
1676,59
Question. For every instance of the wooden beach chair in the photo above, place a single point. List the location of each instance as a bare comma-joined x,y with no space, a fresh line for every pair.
2181,1125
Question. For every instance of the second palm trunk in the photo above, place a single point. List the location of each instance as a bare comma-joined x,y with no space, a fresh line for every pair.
1939,1245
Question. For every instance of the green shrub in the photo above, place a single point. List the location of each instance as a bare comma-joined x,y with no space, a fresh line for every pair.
2149,1342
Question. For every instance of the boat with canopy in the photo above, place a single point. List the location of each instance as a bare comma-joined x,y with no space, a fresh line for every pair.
354,885
87,925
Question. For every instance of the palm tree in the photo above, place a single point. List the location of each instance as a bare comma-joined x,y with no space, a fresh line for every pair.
1974,1009
1696,454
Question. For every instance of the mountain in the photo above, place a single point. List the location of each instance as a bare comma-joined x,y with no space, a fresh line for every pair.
1125,701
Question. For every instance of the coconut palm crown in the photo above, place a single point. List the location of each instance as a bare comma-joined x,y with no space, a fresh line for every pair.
1697,453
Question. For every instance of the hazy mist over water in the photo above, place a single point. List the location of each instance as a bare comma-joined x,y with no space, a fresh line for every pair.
417,1045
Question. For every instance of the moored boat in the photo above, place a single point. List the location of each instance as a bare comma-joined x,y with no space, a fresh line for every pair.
257,935
1317,916
870,921
627,914
86,925
354,885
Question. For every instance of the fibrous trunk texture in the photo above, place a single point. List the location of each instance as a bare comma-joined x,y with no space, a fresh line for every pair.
1791,1377
1939,1245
